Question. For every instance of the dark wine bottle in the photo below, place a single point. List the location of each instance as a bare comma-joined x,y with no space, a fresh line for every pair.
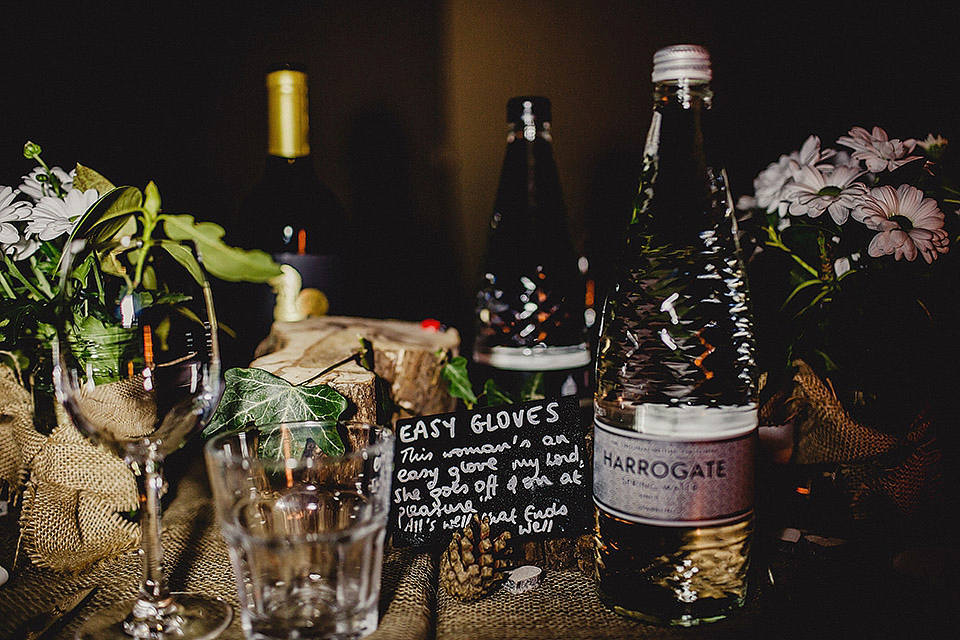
293,216
530,336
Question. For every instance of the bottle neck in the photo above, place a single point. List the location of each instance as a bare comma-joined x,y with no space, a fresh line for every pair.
677,161
529,129
287,118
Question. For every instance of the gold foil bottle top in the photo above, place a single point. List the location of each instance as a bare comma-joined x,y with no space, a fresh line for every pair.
288,122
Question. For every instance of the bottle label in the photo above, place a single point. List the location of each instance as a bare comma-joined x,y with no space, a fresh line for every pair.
535,358
666,481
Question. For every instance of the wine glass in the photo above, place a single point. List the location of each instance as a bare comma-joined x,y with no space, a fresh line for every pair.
137,368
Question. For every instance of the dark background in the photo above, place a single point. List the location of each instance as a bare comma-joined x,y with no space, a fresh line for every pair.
407,103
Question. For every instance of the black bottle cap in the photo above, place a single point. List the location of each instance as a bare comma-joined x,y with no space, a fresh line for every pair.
536,105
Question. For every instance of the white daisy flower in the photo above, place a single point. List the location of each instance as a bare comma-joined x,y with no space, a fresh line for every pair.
37,185
769,185
22,249
10,212
53,217
833,190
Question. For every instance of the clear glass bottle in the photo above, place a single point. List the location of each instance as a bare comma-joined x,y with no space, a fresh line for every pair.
675,405
292,215
530,303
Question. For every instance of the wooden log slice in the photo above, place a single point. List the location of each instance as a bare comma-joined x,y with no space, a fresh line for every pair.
407,356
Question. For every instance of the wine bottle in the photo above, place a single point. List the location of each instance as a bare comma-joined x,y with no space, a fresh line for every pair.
292,215
675,405
530,336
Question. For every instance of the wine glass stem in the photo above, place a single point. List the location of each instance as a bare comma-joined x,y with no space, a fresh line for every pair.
153,583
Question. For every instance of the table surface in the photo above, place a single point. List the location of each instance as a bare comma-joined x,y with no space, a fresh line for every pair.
802,590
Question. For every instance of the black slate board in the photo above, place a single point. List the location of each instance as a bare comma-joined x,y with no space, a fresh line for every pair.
523,465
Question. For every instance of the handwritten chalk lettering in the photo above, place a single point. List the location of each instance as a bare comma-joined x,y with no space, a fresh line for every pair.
502,517
436,510
473,467
412,454
431,474
533,481
521,466
559,459
552,441
424,429
458,522
505,418
460,452
487,489
403,495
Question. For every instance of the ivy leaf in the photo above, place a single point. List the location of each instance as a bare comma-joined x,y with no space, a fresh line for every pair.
258,396
455,373
278,444
533,388
494,395
223,261
86,178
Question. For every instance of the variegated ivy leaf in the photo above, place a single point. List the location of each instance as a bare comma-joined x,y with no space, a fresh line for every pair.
259,397
277,444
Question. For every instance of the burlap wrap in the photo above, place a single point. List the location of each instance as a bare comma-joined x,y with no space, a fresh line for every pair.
73,492
879,474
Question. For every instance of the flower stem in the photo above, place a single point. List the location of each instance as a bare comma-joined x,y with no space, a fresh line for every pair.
7,290
42,283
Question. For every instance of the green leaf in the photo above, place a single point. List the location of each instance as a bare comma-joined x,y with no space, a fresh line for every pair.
108,215
258,396
493,395
278,444
533,388
455,373
185,257
365,357
86,178
223,261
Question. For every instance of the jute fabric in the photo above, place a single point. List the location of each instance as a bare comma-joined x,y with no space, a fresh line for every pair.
881,475
73,493
196,560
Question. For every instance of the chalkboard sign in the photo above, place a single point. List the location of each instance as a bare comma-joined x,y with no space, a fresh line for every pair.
522,465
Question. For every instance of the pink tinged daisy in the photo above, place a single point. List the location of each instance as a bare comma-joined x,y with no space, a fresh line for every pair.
877,150
11,212
53,217
770,183
908,223
833,190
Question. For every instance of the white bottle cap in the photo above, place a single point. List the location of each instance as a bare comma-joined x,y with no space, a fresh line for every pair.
689,61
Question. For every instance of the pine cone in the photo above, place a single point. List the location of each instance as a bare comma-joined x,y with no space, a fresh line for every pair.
473,564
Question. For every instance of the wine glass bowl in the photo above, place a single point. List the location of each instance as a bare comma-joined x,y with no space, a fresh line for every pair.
137,368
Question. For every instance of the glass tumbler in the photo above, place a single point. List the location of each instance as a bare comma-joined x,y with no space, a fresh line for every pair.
305,529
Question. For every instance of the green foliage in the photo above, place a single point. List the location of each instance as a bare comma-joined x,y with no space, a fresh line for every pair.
456,372
259,397
458,381
223,261
28,287
278,444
